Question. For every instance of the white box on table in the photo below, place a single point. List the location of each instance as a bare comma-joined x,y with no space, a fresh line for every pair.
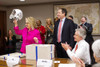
40,51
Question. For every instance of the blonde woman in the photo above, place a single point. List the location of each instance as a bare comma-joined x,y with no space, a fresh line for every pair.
49,31
30,34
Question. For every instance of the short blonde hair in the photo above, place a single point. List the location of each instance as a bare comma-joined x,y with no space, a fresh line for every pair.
31,21
49,20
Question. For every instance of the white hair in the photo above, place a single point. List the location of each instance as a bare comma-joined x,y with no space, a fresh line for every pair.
96,65
81,32
96,48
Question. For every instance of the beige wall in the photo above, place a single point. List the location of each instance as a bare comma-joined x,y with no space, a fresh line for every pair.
37,11
3,8
98,36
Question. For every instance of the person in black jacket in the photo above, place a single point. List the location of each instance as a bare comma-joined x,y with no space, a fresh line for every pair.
63,32
88,27
10,42
75,25
71,18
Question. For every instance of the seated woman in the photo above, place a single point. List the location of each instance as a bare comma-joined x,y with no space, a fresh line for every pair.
29,34
96,51
81,49
10,42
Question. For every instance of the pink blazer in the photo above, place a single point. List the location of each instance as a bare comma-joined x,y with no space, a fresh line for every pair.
27,37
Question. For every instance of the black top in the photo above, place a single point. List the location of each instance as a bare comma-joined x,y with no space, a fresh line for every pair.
11,43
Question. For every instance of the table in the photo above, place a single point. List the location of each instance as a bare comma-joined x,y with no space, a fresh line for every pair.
32,63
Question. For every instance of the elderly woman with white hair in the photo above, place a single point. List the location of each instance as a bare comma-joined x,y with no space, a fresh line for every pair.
96,50
80,53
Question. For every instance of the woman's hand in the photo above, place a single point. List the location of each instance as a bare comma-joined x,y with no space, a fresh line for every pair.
47,26
6,38
35,39
10,38
78,61
15,22
65,46
81,63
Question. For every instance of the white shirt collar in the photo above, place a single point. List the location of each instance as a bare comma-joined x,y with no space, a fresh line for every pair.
80,41
63,19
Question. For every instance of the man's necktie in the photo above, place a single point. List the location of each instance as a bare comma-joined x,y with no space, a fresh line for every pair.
59,31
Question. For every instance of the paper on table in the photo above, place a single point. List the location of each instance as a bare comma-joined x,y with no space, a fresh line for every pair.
67,65
56,61
16,54
11,61
44,63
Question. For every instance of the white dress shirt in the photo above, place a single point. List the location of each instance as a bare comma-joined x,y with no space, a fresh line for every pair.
82,52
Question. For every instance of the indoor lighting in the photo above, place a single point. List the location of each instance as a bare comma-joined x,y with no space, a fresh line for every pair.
21,0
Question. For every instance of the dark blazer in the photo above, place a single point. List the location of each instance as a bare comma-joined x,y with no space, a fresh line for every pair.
89,30
67,32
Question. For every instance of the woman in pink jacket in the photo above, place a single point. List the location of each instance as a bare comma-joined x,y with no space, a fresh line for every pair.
30,34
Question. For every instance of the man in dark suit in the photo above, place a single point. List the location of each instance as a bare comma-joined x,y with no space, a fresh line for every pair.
63,32
71,18
88,27
75,25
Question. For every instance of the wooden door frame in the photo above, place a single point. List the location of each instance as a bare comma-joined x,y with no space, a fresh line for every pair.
4,28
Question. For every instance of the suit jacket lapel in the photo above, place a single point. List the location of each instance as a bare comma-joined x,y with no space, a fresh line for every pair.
64,24
85,23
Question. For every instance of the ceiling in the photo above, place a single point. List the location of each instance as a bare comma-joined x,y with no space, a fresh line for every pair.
17,2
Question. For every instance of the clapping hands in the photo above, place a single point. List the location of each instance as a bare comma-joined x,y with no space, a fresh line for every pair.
66,46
